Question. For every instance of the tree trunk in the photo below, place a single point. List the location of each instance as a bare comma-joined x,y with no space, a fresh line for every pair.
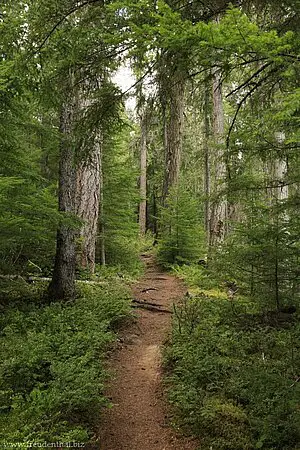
143,174
174,132
276,171
280,171
101,215
62,286
87,205
89,195
207,162
155,214
219,213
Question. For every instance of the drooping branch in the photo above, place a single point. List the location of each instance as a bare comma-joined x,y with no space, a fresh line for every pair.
140,79
246,83
65,16
243,101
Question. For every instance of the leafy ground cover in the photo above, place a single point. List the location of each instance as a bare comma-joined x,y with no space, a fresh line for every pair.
233,369
52,373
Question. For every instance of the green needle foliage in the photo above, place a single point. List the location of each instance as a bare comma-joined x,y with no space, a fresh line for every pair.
28,217
182,235
120,202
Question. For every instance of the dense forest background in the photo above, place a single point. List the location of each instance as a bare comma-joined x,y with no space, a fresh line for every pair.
204,172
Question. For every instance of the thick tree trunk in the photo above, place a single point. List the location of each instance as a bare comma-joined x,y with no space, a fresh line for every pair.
143,175
155,214
174,132
207,162
101,215
89,195
219,209
280,169
79,195
87,205
62,286
276,171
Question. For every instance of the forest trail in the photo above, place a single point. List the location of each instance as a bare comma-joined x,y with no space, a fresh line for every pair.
138,419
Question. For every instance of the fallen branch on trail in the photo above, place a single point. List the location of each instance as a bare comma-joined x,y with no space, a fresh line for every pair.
144,302
157,278
154,307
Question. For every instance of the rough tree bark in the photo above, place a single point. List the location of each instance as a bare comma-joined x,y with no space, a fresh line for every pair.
89,190
276,171
206,142
143,173
87,205
101,214
219,209
79,196
174,130
280,171
62,285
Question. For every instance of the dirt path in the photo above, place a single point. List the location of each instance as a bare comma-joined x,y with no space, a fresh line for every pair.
139,419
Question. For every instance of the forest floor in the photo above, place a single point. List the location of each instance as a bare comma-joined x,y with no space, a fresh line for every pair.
140,417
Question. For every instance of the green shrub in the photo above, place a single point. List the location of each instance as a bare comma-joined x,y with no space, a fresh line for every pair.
195,275
233,375
121,196
123,254
181,231
52,375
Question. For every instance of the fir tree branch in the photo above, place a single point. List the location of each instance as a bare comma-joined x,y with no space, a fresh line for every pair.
68,14
288,55
140,79
244,99
246,83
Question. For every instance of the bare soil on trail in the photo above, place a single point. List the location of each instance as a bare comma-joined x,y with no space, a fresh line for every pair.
139,418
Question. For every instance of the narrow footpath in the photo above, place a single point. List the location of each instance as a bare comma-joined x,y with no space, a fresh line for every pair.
139,418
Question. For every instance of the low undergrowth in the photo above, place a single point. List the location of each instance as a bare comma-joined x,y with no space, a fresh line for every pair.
52,373
233,371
